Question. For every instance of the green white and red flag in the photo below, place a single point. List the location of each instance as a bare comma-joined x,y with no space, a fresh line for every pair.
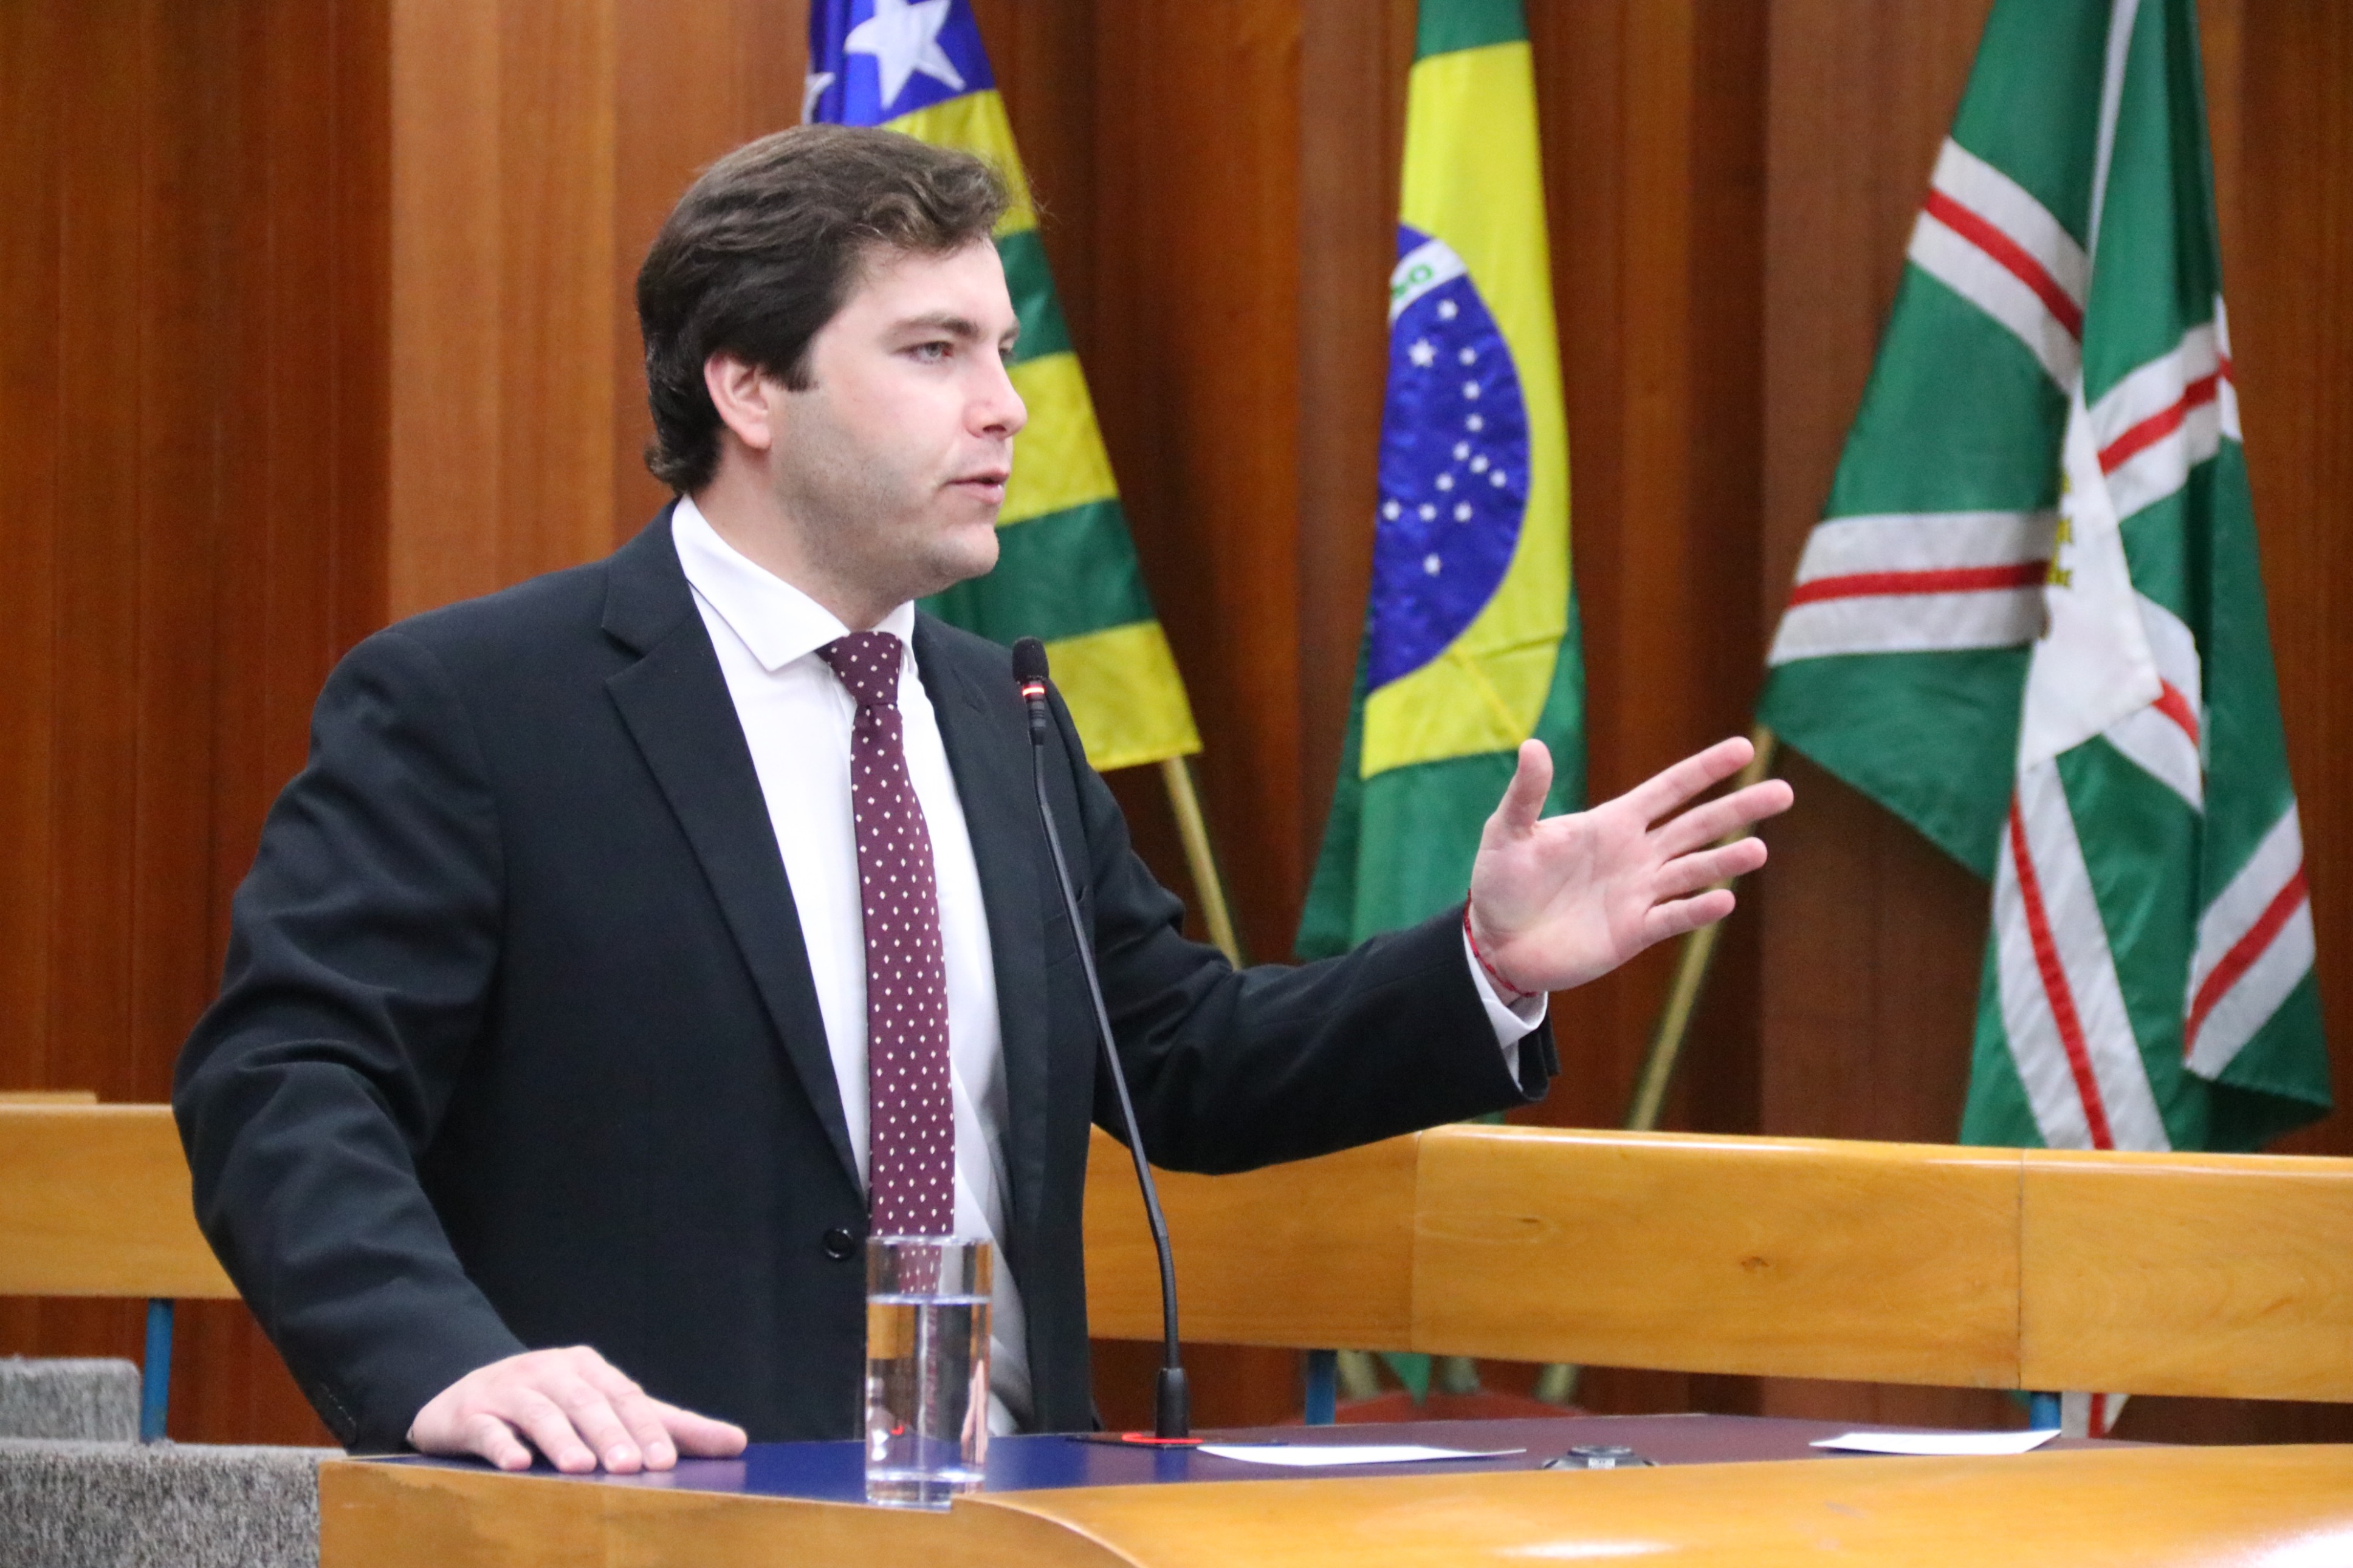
2031,620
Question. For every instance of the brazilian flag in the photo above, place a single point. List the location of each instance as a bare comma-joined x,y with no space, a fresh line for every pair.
1066,570
1470,643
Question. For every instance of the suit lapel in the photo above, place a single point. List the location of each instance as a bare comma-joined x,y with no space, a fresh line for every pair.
675,703
988,751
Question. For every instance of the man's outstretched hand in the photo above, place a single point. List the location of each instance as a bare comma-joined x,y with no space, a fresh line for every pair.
574,1406
1558,902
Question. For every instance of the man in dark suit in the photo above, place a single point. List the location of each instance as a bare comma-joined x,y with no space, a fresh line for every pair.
548,1006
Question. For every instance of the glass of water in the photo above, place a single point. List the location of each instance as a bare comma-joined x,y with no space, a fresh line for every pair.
926,1368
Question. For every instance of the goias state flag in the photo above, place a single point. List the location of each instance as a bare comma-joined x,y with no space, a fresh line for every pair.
2031,622
1066,570
1470,644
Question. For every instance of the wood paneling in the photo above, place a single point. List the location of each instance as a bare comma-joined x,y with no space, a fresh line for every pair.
2290,284
1653,119
2149,1507
1337,1232
1193,363
690,83
503,278
193,363
1786,1256
2188,1274
1927,1263
412,1516
2153,1508
1188,320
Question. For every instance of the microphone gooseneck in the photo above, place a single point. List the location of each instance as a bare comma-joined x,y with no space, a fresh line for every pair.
1172,1403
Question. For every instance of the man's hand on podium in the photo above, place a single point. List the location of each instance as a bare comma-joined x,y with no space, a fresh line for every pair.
1560,900
574,1406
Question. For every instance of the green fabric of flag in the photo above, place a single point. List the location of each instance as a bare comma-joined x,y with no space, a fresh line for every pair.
2032,621
1470,643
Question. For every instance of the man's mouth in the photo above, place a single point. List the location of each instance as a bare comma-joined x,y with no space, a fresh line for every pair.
988,484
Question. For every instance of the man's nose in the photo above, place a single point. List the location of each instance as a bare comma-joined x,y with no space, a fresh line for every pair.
998,410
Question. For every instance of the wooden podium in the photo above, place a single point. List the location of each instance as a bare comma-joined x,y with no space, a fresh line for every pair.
2098,1504
2191,1274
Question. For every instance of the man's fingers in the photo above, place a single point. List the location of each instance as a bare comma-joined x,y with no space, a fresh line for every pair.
638,1412
494,1440
551,1431
700,1436
1663,790
1715,819
1524,797
1690,873
1674,918
574,1407
593,1416
642,1414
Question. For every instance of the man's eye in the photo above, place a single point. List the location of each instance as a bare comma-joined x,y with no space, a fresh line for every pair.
932,354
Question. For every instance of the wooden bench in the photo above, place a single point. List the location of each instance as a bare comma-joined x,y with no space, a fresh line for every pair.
94,1201
2191,1274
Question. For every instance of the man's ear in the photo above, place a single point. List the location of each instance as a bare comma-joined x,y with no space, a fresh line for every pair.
745,398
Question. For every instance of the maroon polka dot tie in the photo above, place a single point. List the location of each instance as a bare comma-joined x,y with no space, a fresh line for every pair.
910,1121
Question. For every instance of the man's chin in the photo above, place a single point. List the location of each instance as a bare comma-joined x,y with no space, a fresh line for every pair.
962,557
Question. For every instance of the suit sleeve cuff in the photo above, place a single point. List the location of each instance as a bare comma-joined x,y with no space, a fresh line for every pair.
1511,1021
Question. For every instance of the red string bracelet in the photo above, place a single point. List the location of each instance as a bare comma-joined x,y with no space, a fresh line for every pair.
1511,991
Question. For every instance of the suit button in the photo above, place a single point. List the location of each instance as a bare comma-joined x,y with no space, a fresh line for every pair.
840,1245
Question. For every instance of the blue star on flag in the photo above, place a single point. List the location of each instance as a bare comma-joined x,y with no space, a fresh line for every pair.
875,60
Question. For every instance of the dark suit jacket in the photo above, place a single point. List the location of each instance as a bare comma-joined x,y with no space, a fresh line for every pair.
517,1045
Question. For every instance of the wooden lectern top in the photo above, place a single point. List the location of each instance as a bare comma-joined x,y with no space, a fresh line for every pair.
2092,1504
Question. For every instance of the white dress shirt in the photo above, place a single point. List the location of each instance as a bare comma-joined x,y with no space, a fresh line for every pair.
796,717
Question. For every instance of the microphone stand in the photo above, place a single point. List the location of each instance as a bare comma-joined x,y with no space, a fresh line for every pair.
1172,1403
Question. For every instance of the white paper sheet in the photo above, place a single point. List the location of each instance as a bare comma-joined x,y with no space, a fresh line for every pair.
1308,1455
1945,1443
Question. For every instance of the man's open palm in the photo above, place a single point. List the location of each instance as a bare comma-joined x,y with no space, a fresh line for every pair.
1557,901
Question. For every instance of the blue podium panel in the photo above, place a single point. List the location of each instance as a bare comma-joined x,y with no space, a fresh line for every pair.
834,1472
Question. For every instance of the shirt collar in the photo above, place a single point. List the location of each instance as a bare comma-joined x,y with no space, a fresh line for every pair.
776,621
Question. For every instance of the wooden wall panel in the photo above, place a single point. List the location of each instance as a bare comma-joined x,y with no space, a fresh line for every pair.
1193,326
1354,56
1194,278
2290,284
31,264
1653,120
191,363
690,83
502,412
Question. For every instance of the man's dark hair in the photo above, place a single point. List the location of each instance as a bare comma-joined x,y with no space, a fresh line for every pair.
765,248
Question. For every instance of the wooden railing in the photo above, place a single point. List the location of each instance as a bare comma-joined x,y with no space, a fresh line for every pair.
94,1201
2191,1274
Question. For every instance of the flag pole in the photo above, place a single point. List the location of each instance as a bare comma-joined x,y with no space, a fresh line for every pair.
1557,1384
1200,856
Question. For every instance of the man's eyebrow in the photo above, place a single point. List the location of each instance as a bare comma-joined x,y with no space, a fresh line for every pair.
944,321
948,323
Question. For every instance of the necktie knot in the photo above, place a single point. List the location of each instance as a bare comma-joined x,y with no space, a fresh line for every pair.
868,664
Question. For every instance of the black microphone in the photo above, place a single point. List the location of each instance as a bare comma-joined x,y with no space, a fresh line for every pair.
1173,1406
